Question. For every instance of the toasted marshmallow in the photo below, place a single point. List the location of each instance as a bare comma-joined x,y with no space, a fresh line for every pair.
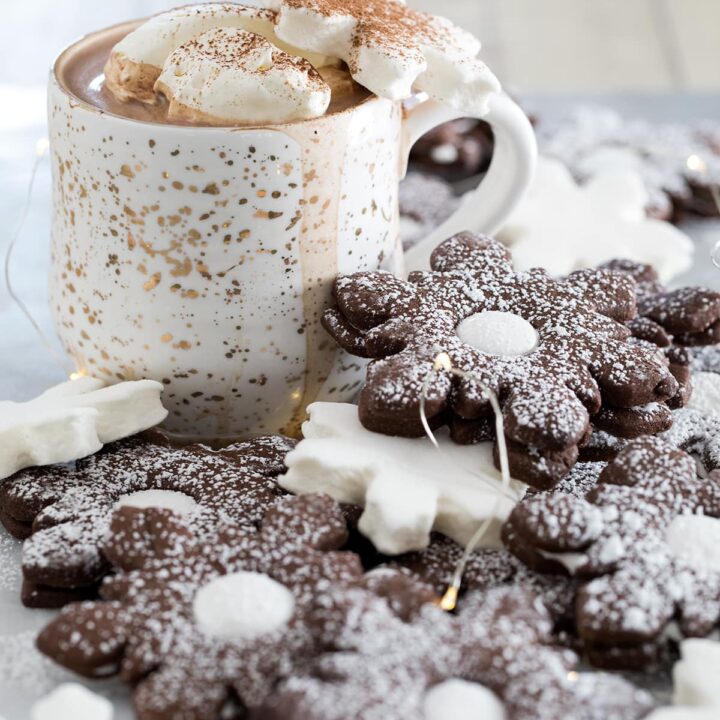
391,49
228,76
136,62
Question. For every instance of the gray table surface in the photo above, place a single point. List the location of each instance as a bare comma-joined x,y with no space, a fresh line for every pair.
27,368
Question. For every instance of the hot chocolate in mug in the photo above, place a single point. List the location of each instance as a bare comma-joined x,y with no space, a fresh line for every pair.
204,257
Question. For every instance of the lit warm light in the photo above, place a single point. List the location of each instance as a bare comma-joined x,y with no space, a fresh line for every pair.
42,146
443,362
297,395
76,375
572,676
696,163
449,601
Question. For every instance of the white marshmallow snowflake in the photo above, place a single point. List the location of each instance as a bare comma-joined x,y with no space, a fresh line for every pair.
72,701
74,420
697,694
563,226
406,486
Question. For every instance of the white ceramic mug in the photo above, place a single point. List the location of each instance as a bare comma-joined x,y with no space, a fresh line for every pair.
204,257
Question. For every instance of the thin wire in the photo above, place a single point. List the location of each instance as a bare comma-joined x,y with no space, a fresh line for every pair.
443,363
41,152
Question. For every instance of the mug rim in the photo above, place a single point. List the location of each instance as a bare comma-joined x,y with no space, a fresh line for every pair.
175,126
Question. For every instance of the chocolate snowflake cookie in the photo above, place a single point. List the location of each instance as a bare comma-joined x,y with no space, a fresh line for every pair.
647,533
201,627
498,648
554,352
688,316
64,510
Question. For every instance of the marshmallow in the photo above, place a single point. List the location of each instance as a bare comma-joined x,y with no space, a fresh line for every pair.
137,60
74,420
498,333
462,700
695,539
391,49
242,606
228,76
177,502
695,675
406,485
72,701
562,226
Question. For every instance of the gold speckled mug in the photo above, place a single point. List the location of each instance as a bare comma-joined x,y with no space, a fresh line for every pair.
204,257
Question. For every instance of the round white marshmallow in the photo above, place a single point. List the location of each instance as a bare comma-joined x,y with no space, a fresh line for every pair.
164,499
498,333
462,700
243,606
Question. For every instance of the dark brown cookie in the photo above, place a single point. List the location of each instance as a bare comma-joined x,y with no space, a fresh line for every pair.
635,539
455,150
201,624
686,316
382,667
65,510
553,352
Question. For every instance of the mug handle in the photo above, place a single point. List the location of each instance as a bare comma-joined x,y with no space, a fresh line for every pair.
485,209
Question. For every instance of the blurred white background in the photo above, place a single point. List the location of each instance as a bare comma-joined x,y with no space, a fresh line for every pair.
534,45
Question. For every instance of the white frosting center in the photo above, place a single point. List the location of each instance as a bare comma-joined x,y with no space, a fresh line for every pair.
695,539
165,499
242,606
498,333
462,700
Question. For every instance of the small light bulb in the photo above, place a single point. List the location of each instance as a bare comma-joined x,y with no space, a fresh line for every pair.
443,362
448,601
696,163
76,375
572,676
42,146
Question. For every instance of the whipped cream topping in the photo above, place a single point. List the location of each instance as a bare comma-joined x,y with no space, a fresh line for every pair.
229,75
389,48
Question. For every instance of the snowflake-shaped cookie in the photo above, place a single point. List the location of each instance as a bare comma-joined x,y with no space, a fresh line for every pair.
485,570
686,316
563,226
548,349
65,510
204,624
648,534
406,485
74,420
383,667
695,428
